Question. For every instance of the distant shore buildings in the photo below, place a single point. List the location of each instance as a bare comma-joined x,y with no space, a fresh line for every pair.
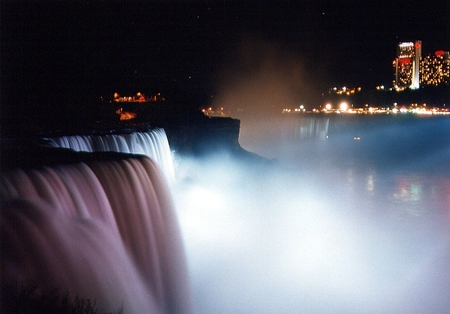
139,97
435,69
425,78
412,70
129,107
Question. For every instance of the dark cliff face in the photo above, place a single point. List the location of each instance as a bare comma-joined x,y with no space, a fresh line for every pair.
207,135
188,130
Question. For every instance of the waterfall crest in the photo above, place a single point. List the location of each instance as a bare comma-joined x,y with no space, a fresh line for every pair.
104,230
153,144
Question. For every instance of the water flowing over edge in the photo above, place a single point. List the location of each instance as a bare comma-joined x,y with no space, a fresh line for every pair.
153,144
100,230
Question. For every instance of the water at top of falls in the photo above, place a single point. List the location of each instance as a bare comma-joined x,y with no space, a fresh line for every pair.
153,144
102,230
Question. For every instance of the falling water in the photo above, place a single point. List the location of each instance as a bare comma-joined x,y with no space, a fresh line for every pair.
306,128
103,230
152,143
271,138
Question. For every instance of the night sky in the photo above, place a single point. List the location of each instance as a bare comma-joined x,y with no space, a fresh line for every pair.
73,52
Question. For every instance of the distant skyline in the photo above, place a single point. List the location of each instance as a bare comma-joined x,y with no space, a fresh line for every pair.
88,48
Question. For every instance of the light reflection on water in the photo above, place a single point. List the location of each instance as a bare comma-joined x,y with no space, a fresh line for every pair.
401,160
416,194
420,194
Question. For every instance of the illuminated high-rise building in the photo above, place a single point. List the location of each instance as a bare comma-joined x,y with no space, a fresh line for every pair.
435,69
407,65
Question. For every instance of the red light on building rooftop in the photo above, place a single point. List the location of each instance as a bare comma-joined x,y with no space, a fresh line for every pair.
417,45
439,53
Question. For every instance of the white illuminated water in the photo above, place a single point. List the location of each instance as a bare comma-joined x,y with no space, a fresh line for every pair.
104,230
354,218
352,215
153,144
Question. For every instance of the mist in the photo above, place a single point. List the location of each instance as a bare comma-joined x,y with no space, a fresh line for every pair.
271,240
260,78
257,81
328,224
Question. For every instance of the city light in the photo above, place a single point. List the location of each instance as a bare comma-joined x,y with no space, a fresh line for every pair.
125,115
343,106
435,69
407,64
344,90
139,97
412,70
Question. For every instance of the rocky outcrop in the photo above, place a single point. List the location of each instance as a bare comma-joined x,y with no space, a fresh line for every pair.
207,135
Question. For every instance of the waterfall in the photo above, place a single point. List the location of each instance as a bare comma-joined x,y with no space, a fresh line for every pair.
312,128
103,230
153,144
